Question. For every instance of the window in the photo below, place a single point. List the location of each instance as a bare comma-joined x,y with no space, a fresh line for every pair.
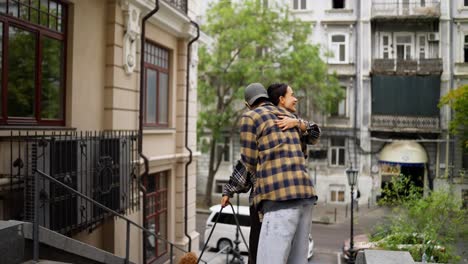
465,2
301,107
320,154
156,210
423,3
156,85
299,4
223,149
465,159
338,4
404,45
220,185
337,193
32,47
465,199
465,49
337,152
338,48
422,46
386,46
338,108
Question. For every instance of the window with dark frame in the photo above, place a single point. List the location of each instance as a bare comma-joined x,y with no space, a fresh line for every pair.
32,55
465,49
338,48
466,2
156,214
337,196
220,185
337,151
299,4
338,108
338,4
156,85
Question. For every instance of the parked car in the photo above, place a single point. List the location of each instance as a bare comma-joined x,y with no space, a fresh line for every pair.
225,231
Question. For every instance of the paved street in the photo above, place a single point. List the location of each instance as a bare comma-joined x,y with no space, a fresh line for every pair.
328,238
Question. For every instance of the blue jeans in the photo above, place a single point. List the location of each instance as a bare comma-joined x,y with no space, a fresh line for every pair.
284,237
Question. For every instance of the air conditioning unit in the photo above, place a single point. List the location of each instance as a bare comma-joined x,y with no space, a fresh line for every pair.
434,36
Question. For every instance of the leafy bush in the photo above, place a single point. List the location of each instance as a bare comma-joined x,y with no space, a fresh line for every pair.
399,191
429,224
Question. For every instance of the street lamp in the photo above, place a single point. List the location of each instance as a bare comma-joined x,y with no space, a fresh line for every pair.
236,256
352,179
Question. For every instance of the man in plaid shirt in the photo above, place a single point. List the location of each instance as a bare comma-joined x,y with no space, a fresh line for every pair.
283,190
242,181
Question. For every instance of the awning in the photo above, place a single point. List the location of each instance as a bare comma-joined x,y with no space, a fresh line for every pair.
403,152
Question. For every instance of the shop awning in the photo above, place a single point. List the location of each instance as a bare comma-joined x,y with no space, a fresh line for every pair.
403,152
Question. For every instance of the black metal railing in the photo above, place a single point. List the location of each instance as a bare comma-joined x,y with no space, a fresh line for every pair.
96,204
182,5
101,165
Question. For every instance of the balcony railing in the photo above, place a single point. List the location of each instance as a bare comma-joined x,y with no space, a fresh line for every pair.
99,165
179,4
405,8
405,122
399,67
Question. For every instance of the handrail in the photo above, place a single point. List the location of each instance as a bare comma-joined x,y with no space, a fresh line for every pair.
128,221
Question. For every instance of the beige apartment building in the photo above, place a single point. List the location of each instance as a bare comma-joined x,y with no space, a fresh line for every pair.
70,107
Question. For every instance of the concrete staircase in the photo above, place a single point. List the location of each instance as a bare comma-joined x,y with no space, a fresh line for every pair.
16,246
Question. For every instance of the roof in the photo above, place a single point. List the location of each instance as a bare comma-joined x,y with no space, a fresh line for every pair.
244,210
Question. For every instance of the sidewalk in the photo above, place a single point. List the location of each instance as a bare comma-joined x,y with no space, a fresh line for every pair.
338,213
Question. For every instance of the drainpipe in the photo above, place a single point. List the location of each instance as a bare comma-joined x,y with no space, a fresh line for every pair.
448,146
357,60
140,119
187,88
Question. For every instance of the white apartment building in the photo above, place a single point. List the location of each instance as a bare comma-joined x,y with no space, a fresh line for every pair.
395,59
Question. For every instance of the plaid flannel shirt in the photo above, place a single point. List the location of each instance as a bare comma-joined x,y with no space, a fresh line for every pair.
241,181
275,157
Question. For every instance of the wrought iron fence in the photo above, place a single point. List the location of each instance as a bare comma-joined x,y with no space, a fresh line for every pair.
100,165
179,4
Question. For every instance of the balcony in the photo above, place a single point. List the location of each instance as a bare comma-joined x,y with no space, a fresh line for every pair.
178,4
407,67
348,69
404,123
404,9
100,165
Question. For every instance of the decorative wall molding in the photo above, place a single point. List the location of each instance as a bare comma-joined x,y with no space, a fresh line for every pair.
131,14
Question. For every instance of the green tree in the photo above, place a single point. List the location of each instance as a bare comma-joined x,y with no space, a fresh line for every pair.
429,224
252,44
457,100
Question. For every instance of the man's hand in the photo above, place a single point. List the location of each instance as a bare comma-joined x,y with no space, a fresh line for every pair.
224,201
286,122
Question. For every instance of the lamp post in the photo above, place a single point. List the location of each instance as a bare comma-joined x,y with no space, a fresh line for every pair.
236,256
352,179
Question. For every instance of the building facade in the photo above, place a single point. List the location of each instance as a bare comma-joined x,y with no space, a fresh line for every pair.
394,59
69,107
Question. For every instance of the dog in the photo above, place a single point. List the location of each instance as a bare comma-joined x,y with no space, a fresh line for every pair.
188,258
